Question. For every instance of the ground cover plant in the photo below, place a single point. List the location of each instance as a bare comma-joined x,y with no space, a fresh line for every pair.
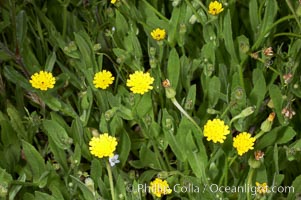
149,99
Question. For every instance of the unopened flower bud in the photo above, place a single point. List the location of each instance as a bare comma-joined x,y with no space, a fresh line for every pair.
254,55
110,113
182,29
153,63
253,163
90,184
97,47
175,3
268,51
271,117
192,19
258,155
212,111
94,132
162,175
3,191
287,78
247,111
152,51
170,92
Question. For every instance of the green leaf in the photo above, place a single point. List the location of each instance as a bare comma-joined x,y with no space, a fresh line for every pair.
173,26
85,47
16,188
17,78
122,27
173,142
5,177
124,147
173,68
50,62
96,171
77,131
43,196
16,122
253,14
295,189
57,133
149,158
214,91
85,190
145,105
34,160
279,135
21,27
195,158
228,37
259,89
190,99
59,154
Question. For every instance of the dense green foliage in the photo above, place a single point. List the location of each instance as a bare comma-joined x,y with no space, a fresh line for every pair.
217,65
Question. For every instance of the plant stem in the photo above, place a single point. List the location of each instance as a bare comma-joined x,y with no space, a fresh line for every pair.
175,102
289,4
156,11
110,179
249,182
288,34
258,135
257,43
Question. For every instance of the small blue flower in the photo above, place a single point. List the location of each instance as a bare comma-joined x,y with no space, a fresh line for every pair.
114,160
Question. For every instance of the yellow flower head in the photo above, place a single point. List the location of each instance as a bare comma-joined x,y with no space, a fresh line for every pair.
103,146
243,143
216,130
261,188
42,80
140,82
215,8
113,1
103,79
159,187
158,34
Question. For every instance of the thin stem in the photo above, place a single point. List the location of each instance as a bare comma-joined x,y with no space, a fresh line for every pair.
194,11
249,182
157,152
175,102
110,179
255,46
289,4
227,108
288,34
155,11
258,135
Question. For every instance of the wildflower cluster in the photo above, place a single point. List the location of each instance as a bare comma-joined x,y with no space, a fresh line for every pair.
216,130
139,82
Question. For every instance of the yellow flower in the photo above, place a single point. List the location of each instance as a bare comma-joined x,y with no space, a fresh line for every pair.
243,143
113,1
103,79
261,188
216,130
159,187
215,8
42,80
140,82
158,34
103,145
